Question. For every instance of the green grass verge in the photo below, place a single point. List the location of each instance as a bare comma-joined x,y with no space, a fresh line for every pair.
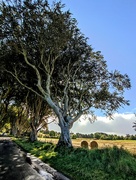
82,164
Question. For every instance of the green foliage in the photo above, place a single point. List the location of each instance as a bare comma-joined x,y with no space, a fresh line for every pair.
104,136
97,135
43,42
82,164
55,135
39,149
73,136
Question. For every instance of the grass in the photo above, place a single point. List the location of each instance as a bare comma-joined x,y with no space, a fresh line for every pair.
129,145
83,164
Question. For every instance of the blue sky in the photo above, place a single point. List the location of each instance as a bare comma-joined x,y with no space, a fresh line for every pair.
110,26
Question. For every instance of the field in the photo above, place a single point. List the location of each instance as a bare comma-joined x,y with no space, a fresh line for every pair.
129,145
83,164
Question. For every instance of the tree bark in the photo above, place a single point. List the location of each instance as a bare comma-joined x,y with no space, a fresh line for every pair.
33,134
65,139
13,130
18,133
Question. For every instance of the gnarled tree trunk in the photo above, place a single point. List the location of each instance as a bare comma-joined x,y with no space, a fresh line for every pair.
33,133
13,130
65,139
33,136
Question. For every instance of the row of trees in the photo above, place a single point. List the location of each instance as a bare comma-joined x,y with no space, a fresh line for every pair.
48,68
21,117
96,136
105,136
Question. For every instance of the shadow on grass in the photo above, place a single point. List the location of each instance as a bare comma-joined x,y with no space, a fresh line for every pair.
84,164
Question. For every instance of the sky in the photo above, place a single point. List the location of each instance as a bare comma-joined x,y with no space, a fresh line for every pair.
110,26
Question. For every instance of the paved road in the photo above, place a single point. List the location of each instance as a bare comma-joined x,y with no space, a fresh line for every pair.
14,166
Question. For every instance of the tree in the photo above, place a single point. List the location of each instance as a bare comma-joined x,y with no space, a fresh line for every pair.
4,103
134,126
38,112
18,120
25,103
7,95
46,45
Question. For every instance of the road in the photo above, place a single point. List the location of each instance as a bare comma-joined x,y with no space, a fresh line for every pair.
18,165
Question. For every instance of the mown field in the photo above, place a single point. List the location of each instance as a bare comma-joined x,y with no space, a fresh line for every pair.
129,145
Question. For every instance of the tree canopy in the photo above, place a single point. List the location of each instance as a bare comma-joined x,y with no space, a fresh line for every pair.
43,49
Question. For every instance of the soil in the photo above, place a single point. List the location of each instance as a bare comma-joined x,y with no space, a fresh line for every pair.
18,165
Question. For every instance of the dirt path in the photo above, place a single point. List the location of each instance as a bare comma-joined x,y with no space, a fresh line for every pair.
17,165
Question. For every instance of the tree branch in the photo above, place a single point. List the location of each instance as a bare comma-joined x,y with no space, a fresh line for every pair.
16,77
39,83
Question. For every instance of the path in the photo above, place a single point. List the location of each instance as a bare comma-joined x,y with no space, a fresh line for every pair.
13,165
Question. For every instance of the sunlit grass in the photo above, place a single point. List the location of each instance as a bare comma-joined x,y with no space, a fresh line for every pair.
83,164
129,145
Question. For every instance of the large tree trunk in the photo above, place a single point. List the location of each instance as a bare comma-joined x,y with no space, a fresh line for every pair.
18,133
65,139
33,136
13,127
13,130
33,133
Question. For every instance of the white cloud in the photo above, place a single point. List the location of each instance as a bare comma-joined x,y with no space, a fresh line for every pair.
121,125
104,119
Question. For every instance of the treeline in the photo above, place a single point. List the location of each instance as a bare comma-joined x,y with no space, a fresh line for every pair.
104,136
97,135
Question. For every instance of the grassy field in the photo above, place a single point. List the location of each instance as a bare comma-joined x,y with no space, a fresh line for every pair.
129,145
82,164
